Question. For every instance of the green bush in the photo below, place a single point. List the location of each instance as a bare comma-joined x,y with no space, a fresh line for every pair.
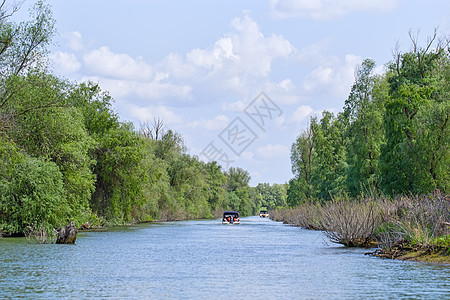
31,192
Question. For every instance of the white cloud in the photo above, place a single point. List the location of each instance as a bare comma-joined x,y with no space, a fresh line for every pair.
286,85
214,58
65,63
256,52
237,106
379,70
257,176
273,151
239,58
237,63
150,112
218,123
153,90
327,9
178,67
300,114
104,62
74,40
334,78
248,156
315,53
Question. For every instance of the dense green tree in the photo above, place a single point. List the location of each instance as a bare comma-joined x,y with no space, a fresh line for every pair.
216,181
300,187
22,46
415,120
318,158
96,107
65,156
237,185
297,192
392,135
120,173
237,179
329,165
272,196
31,192
364,109
46,127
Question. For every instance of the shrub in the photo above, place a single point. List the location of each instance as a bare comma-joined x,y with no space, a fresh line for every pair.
42,234
31,192
418,220
350,222
307,215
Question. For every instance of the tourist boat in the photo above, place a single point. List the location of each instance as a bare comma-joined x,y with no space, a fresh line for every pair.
264,214
231,217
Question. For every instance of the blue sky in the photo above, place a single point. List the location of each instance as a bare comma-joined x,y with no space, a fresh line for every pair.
201,65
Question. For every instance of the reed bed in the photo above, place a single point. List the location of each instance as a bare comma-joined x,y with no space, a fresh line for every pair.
416,220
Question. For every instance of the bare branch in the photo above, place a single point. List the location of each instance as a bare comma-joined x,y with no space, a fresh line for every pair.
397,54
152,130
7,11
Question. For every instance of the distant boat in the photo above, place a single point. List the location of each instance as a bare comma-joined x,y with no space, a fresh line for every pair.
264,214
231,217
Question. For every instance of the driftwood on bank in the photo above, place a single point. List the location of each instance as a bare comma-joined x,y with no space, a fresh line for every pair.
67,234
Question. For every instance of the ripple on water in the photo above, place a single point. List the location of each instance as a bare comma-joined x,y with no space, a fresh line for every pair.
259,258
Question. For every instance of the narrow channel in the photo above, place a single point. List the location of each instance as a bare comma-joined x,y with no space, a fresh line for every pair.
205,259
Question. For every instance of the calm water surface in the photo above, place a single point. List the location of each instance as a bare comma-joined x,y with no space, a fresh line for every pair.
207,260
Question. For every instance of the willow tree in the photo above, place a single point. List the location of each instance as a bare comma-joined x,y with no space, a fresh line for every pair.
364,109
415,156
300,188
329,166
239,191
23,46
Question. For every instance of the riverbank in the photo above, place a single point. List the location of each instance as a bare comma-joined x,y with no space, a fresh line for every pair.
414,228
428,254
146,261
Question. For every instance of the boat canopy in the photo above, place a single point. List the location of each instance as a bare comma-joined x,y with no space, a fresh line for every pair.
231,213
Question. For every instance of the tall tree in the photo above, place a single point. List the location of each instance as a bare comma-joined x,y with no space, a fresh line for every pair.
273,196
364,109
416,85
216,185
329,166
239,190
22,46
301,160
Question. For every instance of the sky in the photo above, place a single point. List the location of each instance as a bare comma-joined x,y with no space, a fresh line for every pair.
237,79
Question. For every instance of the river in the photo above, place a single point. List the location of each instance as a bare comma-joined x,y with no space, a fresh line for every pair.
258,259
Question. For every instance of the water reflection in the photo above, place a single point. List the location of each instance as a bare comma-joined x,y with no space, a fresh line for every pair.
204,259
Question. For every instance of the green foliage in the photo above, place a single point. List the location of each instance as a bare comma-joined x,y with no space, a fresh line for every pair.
416,123
216,180
46,127
364,109
23,45
328,162
318,159
67,157
300,188
238,188
442,242
233,201
296,192
95,105
31,191
272,196
120,174
392,136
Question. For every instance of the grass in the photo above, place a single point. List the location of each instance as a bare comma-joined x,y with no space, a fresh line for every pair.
41,234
